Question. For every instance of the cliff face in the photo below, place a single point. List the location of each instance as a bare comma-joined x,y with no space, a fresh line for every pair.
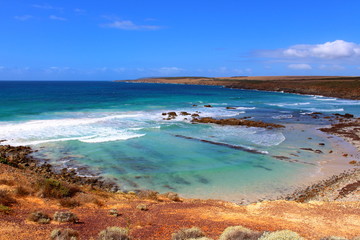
341,87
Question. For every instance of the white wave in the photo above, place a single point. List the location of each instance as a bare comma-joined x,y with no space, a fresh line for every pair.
101,129
322,98
111,138
325,110
245,108
288,104
285,116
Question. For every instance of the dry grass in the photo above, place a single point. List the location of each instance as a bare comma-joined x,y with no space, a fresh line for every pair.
6,199
112,233
187,233
69,203
64,234
39,217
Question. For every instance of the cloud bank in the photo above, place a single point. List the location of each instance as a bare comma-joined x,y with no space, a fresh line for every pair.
329,50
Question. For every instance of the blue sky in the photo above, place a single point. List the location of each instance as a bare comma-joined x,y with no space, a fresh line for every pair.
118,39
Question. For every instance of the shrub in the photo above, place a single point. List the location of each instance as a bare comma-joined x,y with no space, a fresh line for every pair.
202,238
21,191
142,207
114,212
239,232
114,233
64,234
65,217
148,194
188,233
173,196
6,182
281,235
39,217
334,238
51,188
5,209
6,199
69,203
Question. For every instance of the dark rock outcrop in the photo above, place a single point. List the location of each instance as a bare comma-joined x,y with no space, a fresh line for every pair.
237,122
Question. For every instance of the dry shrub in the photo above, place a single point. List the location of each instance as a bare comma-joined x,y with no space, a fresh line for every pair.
114,233
173,196
239,232
64,234
51,188
142,207
188,233
39,217
148,194
7,182
5,209
21,191
281,235
84,198
334,238
69,203
202,238
65,217
6,199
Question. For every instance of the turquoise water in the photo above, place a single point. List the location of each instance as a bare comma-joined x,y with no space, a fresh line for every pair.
117,130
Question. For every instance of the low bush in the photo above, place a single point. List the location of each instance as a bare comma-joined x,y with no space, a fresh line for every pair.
39,217
114,233
281,235
5,209
65,217
187,233
239,232
6,199
69,203
142,207
173,196
21,191
6,182
64,234
334,238
148,194
51,188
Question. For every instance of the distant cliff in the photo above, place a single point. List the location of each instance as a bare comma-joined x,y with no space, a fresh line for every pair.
330,86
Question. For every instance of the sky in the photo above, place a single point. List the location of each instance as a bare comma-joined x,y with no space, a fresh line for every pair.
129,39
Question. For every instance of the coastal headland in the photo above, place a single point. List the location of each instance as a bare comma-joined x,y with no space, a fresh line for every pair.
330,86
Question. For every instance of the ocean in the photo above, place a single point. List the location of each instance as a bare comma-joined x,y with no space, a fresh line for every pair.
117,130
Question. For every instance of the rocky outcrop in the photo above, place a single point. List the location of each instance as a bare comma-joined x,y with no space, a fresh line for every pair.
237,122
20,157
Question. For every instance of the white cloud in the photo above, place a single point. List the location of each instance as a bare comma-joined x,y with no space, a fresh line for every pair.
47,7
53,17
129,25
300,66
329,50
23,17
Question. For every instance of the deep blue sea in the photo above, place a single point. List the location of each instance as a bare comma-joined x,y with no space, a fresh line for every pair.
117,130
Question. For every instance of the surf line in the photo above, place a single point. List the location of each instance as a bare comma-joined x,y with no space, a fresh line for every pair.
237,147
222,144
